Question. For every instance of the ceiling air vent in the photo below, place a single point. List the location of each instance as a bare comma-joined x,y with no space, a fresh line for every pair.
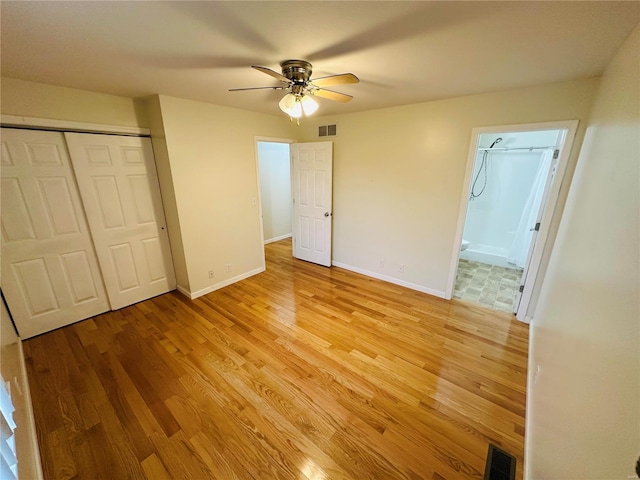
327,131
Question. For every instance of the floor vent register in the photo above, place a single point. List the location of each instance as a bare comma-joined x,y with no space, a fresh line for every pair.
500,465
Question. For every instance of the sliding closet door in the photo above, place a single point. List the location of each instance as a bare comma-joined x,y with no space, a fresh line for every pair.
50,275
119,188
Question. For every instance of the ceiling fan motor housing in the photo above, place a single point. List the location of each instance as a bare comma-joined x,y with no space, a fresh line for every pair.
298,71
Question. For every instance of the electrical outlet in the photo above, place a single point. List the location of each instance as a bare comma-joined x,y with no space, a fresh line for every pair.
227,267
401,268
211,274
381,263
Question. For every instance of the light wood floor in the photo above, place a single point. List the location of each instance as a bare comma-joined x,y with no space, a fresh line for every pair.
301,372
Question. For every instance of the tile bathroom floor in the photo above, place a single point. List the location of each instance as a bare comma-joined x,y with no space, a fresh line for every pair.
487,285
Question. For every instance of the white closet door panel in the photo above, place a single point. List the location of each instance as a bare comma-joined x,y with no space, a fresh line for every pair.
16,221
36,286
77,269
50,274
119,188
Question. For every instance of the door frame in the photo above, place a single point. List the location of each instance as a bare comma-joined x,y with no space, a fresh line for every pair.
540,253
36,123
257,139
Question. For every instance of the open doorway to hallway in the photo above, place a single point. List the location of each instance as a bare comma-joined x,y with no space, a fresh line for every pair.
274,172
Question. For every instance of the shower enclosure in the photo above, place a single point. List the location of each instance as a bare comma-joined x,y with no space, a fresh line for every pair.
508,185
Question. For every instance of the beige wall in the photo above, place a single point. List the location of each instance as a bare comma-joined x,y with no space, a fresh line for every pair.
399,173
212,162
275,189
165,179
30,99
584,405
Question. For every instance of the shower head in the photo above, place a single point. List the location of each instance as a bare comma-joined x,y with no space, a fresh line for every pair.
498,140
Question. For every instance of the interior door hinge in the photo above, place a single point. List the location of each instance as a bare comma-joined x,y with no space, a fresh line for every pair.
521,289
556,153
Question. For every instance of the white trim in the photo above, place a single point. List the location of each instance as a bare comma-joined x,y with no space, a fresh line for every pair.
218,286
385,278
184,291
571,127
545,222
527,418
263,258
26,391
274,139
48,123
277,239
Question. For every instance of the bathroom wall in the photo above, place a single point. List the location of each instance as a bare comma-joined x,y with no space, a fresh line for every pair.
493,217
275,190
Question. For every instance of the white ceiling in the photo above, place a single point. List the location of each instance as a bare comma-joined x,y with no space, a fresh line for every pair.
403,52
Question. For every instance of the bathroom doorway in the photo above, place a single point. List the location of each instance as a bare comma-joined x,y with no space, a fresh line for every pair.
512,184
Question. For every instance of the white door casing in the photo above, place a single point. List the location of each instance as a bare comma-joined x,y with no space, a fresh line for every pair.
535,258
312,201
119,187
50,274
534,238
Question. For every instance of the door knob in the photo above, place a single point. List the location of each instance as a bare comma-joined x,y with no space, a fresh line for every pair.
327,214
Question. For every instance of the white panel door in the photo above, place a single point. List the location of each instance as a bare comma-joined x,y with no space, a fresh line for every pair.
119,188
312,201
50,275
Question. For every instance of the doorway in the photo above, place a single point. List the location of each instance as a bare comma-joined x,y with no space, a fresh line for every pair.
308,189
274,173
513,179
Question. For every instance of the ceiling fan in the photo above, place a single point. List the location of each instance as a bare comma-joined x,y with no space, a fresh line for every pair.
300,87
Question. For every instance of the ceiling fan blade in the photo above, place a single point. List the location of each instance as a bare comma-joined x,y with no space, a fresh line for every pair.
331,95
256,88
274,74
342,79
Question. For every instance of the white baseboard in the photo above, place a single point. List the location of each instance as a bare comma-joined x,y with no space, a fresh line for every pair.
396,281
184,291
218,286
276,239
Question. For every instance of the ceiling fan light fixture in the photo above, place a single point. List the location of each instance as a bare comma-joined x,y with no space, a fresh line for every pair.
300,87
291,105
309,105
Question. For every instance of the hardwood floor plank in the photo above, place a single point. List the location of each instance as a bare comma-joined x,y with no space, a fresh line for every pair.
153,468
301,372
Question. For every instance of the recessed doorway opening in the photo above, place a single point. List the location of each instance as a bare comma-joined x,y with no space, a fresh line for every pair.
274,173
512,185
